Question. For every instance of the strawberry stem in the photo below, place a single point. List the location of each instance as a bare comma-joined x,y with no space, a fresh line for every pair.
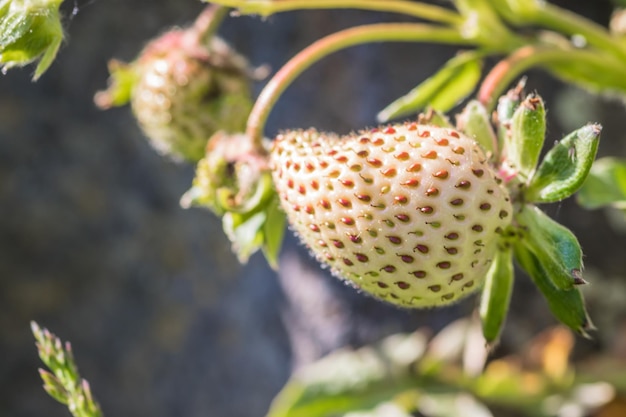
419,10
399,32
530,56
207,23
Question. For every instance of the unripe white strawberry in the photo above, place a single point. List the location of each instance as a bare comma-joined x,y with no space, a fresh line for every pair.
186,91
410,214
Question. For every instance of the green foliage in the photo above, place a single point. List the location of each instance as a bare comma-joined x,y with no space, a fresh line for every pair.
30,30
605,185
451,84
64,383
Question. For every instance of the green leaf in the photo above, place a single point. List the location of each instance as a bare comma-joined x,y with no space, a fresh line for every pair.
455,81
121,83
554,245
351,380
245,232
496,295
585,75
30,31
567,306
528,130
475,122
565,167
273,231
605,185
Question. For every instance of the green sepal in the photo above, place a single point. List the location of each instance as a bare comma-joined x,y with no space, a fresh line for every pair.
122,80
507,105
273,231
475,122
554,245
29,31
455,81
605,185
496,295
568,306
565,167
522,147
433,117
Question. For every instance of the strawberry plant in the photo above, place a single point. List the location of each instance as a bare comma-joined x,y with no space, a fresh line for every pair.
418,213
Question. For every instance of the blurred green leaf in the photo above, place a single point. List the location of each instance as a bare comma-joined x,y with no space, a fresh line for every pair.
455,81
554,245
452,405
567,305
586,75
565,167
29,31
605,185
121,83
351,380
496,295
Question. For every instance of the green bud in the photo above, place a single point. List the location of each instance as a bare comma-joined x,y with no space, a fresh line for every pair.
554,245
474,121
496,295
567,305
565,167
30,30
53,386
528,130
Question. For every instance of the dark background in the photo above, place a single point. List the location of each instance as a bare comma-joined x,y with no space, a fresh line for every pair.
163,320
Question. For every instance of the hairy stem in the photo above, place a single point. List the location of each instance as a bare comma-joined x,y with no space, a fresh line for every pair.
410,8
398,32
208,22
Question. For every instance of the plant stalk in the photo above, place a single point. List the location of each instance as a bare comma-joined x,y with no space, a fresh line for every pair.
381,32
409,8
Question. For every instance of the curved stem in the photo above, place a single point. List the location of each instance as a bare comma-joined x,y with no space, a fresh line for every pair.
410,8
568,22
209,21
526,57
399,32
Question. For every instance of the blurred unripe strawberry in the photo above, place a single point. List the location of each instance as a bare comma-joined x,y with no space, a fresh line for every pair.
183,88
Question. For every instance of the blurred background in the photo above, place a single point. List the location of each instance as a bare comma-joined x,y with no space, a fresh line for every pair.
162,318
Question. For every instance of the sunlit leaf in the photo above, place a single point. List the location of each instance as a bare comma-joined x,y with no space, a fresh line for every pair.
29,31
455,81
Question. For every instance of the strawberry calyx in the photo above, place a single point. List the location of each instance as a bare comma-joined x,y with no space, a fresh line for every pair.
234,181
